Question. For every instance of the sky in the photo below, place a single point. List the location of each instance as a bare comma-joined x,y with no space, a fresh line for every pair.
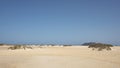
59,21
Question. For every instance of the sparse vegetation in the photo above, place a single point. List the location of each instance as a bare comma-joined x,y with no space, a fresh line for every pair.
100,46
19,47
52,45
29,47
1,44
15,47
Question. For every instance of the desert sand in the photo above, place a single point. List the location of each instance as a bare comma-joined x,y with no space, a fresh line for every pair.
59,57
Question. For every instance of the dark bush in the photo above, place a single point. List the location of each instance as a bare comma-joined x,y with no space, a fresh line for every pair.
20,47
1,44
100,46
15,47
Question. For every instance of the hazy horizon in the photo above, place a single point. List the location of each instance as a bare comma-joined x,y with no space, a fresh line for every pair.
59,22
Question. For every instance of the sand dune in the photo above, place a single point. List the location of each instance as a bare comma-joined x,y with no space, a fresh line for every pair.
59,57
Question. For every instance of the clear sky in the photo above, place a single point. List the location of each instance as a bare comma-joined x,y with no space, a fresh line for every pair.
59,21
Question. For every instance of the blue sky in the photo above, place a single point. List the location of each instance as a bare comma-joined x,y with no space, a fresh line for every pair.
59,21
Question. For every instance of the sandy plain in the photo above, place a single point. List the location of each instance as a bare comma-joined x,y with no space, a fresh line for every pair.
59,57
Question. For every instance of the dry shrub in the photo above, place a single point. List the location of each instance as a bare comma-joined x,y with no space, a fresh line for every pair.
20,47
100,46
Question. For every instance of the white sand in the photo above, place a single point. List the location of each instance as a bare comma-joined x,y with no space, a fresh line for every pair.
59,57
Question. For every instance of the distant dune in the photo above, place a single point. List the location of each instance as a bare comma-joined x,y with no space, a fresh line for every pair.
59,57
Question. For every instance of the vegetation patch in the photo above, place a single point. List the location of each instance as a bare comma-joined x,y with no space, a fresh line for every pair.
19,47
100,46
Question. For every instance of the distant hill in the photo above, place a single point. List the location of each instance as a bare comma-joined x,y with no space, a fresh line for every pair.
88,43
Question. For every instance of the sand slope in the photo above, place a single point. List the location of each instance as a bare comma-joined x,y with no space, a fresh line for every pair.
59,57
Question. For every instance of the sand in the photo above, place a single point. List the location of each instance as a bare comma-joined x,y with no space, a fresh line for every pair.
59,57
